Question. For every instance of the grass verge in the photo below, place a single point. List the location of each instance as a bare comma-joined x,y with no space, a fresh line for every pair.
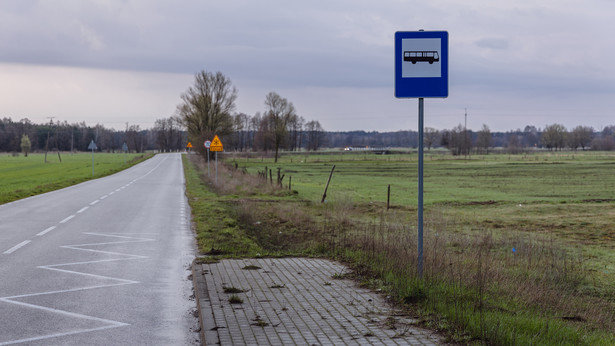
28,176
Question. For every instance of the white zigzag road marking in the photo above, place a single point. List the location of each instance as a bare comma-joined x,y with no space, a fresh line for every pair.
56,267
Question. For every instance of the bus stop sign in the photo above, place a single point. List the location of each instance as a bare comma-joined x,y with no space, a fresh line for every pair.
421,64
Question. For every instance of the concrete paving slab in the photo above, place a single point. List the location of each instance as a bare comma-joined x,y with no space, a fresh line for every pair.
295,301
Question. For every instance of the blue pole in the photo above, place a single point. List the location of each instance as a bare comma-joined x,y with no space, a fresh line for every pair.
420,206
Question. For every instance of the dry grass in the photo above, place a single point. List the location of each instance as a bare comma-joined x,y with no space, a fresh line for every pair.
481,267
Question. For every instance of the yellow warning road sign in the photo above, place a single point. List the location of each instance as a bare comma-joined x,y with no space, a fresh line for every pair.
216,144
189,145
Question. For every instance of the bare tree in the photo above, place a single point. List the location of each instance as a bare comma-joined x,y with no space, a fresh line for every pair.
240,127
295,129
207,107
315,134
484,139
513,143
554,136
531,136
279,112
134,138
458,142
430,137
580,136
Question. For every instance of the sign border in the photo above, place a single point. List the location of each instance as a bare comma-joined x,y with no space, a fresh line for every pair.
420,87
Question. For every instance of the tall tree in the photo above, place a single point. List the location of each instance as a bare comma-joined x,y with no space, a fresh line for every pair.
207,107
580,136
531,137
554,136
513,143
430,137
484,139
25,144
279,112
315,134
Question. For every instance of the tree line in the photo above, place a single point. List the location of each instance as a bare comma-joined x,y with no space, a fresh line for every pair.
461,141
16,136
257,133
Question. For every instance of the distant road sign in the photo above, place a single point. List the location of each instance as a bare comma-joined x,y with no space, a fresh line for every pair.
207,144
92,145
216,144
421,64
189,145
124,147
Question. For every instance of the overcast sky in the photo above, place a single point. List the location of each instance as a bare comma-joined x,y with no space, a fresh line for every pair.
511,63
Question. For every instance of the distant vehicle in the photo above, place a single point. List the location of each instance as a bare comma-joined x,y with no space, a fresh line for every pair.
429,56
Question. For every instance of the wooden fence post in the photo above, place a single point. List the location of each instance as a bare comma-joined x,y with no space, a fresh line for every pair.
324,195
388,196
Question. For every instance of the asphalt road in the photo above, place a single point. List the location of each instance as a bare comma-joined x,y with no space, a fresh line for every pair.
105,262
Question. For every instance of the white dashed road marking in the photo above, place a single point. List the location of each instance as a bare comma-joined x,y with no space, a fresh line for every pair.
46,231
16,247
67,219
82,210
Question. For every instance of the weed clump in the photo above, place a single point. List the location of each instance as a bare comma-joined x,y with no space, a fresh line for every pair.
235,299
233,290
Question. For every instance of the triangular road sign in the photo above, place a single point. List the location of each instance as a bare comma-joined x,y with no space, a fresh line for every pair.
216,144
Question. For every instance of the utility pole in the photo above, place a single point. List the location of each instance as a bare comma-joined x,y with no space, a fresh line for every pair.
47,144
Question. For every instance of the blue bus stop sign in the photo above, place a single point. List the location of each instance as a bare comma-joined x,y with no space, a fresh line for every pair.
421,64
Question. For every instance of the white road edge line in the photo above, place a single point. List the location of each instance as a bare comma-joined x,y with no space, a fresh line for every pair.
96,201
46,231
16,247
67,219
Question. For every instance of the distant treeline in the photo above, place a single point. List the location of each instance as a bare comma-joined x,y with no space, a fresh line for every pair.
166,135
461,141
249,134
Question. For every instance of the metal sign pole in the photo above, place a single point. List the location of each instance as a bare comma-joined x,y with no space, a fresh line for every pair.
420,207
216,168
421,70
208,175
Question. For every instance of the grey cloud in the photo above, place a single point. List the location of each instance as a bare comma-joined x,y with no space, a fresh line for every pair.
493,43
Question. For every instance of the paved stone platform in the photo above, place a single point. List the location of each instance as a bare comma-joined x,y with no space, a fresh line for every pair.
295,301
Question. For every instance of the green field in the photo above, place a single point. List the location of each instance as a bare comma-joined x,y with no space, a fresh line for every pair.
570,195
544,177
526,192
22,176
